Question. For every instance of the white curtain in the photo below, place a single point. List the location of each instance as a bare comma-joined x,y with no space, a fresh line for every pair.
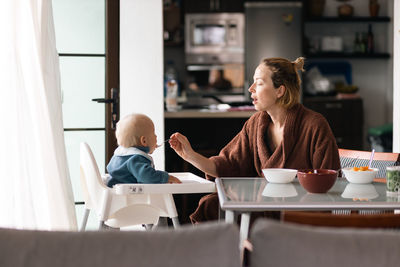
35,189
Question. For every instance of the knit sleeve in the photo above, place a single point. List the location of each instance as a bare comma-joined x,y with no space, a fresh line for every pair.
236,158
325,151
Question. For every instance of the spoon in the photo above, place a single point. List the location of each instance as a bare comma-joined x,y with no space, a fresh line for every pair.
372,157
163,142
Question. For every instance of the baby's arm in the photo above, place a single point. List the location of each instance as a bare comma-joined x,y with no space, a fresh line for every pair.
142,170
173,180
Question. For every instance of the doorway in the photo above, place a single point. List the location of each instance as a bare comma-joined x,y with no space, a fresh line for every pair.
87,40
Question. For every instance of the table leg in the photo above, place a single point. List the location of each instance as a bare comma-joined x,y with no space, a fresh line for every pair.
244,227
175,222
229,216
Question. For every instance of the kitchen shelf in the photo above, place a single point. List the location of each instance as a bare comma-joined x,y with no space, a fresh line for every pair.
348,55
346,19
173,44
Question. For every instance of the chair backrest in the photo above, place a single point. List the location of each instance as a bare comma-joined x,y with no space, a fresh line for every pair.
92,184
209,244
285,244
117,210
357,158
381,220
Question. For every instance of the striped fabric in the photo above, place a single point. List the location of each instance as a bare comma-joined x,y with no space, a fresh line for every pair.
379,164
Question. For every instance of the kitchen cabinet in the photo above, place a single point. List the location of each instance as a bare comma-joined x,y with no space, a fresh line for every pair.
345,117
208,133
172,24
205,6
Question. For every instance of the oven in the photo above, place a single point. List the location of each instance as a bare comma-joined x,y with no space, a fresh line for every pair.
214,38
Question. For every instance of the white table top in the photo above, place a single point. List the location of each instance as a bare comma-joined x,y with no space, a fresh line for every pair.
191,183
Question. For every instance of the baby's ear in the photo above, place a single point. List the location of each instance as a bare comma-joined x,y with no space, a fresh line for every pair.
143,141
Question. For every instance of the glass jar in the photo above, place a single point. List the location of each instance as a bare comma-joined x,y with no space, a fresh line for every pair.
393,180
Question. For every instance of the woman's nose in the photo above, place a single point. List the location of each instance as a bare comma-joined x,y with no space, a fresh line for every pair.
251,88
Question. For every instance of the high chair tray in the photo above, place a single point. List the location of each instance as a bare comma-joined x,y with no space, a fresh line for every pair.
191,183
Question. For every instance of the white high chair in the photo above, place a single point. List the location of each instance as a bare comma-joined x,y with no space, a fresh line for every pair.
118,208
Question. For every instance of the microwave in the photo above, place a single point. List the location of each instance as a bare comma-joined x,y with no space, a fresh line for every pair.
214,38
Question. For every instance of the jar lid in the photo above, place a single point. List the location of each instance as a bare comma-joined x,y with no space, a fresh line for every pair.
393,168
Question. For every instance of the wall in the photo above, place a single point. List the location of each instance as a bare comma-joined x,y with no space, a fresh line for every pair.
396,80
141,64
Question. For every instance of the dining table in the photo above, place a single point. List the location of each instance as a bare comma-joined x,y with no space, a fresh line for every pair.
240,196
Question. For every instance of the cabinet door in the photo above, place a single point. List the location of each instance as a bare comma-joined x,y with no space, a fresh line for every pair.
230,5
204,6
345,118
195,6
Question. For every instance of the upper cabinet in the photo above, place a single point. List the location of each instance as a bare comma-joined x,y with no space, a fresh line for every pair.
206,6
358,31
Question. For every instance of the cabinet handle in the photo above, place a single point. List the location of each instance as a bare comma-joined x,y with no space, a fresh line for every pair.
212,5
216,5
333,105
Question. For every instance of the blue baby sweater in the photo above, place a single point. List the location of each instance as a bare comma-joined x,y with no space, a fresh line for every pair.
134,165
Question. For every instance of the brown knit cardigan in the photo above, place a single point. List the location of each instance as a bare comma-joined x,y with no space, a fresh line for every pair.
308,143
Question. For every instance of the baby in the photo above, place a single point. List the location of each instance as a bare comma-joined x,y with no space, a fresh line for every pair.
131,162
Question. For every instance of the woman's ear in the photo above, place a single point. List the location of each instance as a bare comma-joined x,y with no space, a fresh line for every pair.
143,141
280,91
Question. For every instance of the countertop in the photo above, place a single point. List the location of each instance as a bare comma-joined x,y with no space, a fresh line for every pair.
208,113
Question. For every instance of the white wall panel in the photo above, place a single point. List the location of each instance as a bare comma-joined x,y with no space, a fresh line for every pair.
141,64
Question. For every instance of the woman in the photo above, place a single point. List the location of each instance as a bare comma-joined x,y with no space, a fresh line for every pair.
283,134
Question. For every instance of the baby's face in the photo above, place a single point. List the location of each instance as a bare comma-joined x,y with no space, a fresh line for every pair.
151,139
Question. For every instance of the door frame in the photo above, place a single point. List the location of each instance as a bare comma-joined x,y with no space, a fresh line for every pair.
112,71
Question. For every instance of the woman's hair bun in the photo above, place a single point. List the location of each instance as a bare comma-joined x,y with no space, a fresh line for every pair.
299,63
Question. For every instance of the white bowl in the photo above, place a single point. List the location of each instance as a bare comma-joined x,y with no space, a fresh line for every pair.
360,191
360,177
279,190
279,175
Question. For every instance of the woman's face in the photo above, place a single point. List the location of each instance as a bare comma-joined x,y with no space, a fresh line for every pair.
262,90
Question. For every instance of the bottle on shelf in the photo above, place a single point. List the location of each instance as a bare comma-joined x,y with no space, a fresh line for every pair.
357,43
171,86
171,100
363,42
370,40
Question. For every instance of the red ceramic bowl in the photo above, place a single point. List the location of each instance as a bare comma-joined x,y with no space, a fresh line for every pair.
317,180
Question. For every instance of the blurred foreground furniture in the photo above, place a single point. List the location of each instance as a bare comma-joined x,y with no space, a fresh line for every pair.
212,244
126,205
284,244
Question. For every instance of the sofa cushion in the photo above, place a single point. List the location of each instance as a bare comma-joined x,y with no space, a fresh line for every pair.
285,244
204,245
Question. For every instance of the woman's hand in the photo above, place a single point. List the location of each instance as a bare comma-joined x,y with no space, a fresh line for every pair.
173,180
181,145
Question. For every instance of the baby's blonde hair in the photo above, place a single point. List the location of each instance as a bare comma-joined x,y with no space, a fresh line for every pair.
131,127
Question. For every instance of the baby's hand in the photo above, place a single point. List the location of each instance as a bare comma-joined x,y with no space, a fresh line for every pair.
173,180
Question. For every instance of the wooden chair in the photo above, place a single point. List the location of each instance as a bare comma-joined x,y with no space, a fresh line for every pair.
385,220
351,158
